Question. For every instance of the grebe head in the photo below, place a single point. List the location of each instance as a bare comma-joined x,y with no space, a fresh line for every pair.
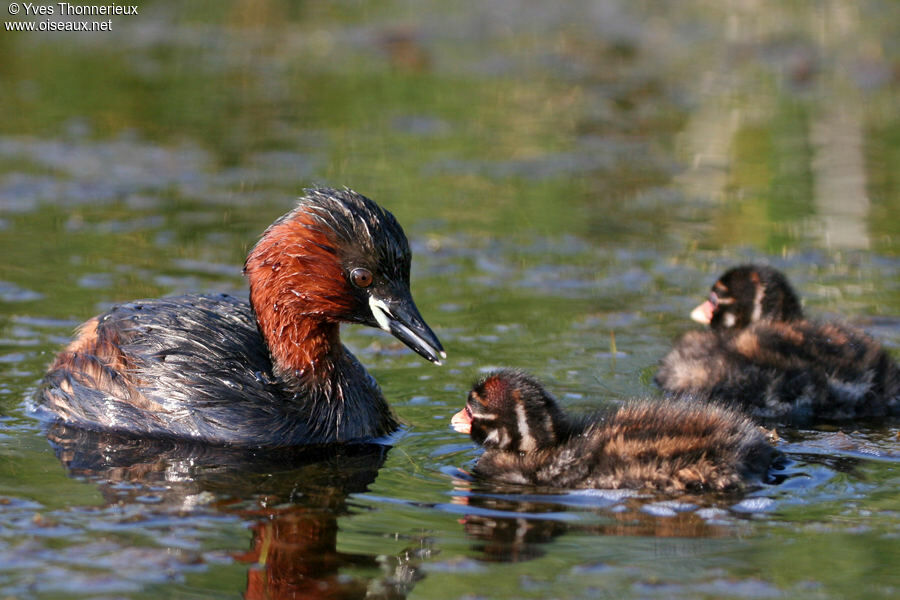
510,410
746,294
337,256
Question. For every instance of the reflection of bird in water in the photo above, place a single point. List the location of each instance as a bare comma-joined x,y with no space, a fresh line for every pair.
509,527
667,446
271,372
293,499
294,555
761,353
502,535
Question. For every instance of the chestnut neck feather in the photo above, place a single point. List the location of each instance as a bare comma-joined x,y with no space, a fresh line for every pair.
296,293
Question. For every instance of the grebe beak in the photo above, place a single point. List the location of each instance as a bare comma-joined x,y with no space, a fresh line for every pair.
401,318
703,313
462,422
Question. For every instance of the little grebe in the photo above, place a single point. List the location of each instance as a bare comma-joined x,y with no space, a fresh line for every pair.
271,372
761,353
667,446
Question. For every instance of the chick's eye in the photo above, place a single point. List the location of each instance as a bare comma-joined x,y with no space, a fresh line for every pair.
361,278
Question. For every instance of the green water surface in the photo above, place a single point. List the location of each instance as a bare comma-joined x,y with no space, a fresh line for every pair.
572,179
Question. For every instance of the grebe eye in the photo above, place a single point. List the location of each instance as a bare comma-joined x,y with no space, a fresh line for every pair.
361,278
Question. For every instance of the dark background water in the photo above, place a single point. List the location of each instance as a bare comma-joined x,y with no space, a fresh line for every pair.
572,179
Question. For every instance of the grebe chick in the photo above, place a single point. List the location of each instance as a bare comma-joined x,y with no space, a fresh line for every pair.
667,446
761,353
271,372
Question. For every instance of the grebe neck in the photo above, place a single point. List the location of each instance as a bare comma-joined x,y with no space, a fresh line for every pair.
301,347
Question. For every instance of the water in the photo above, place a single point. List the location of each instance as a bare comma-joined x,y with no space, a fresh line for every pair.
572,179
